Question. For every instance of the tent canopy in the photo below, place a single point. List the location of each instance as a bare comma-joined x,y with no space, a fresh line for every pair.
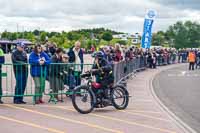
5,41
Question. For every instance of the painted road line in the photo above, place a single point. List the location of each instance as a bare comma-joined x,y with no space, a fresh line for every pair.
71,107
147,116
31,124
66,119
125,121
128,112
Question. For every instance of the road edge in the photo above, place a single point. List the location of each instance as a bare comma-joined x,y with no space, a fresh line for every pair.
181,124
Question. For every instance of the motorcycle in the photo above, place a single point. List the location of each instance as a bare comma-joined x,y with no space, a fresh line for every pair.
92,95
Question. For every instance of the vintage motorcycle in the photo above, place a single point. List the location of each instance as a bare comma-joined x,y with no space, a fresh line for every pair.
92,95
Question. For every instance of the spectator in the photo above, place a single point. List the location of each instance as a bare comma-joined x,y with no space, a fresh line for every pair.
154,60
184,55
76,56
191,59
150,59
52,49
165,57
84,50
56,81
118,53
2,61
174,54
39,61
68,71
92,49
129,54
160,56
46,50
19,59
108,55
198,59
179,55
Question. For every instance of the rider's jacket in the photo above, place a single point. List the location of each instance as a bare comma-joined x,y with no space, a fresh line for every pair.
105,70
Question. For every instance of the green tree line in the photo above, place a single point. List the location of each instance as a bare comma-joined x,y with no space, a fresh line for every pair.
179,35
88,37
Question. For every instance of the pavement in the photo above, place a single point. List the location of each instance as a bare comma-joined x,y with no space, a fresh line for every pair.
178,88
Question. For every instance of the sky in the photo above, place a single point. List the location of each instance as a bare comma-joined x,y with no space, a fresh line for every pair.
120,15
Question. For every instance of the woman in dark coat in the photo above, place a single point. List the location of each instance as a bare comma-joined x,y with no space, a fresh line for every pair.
55,76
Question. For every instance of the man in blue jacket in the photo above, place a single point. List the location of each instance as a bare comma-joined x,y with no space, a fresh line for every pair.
39,61
76,56
2,61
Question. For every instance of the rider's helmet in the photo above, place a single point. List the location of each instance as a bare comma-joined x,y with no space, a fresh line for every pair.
98,55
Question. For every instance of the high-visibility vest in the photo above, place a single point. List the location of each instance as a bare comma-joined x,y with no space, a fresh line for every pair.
2,58
191,57
1,52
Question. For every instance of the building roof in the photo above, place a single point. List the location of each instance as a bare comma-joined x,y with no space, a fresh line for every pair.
6,41
26,42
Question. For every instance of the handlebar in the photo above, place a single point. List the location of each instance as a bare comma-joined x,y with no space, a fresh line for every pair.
85,75
89,73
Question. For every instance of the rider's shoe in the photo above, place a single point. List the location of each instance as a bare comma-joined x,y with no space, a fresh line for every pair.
106,102
97,106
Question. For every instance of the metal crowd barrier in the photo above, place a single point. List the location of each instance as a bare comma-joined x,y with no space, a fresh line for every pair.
51,73
53,78
164,60
124,68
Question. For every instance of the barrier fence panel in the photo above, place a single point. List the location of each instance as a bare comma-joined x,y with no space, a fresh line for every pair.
50,80
57,78
16,75
124,68
64,77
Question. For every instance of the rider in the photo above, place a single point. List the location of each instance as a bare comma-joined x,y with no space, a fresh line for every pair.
103,71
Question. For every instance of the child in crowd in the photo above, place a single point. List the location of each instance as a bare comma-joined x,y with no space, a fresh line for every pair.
68,77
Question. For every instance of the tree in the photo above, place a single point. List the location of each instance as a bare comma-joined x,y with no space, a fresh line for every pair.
184,34
51,34
70,36
158,39
30,36
4,35
181,35
13,36
123,42
107,36
36,32
43,36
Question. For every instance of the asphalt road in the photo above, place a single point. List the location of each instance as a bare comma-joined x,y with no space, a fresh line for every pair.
143,114
179,90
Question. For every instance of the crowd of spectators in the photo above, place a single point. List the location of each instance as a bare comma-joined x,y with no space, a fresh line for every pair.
48,63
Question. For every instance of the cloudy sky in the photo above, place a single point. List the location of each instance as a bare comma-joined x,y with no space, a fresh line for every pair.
120,15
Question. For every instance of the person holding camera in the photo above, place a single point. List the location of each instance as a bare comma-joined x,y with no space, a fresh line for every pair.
39,61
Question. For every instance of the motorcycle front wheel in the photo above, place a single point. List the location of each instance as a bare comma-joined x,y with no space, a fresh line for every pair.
83,99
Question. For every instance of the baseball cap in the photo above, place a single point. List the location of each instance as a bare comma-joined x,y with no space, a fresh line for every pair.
21,44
